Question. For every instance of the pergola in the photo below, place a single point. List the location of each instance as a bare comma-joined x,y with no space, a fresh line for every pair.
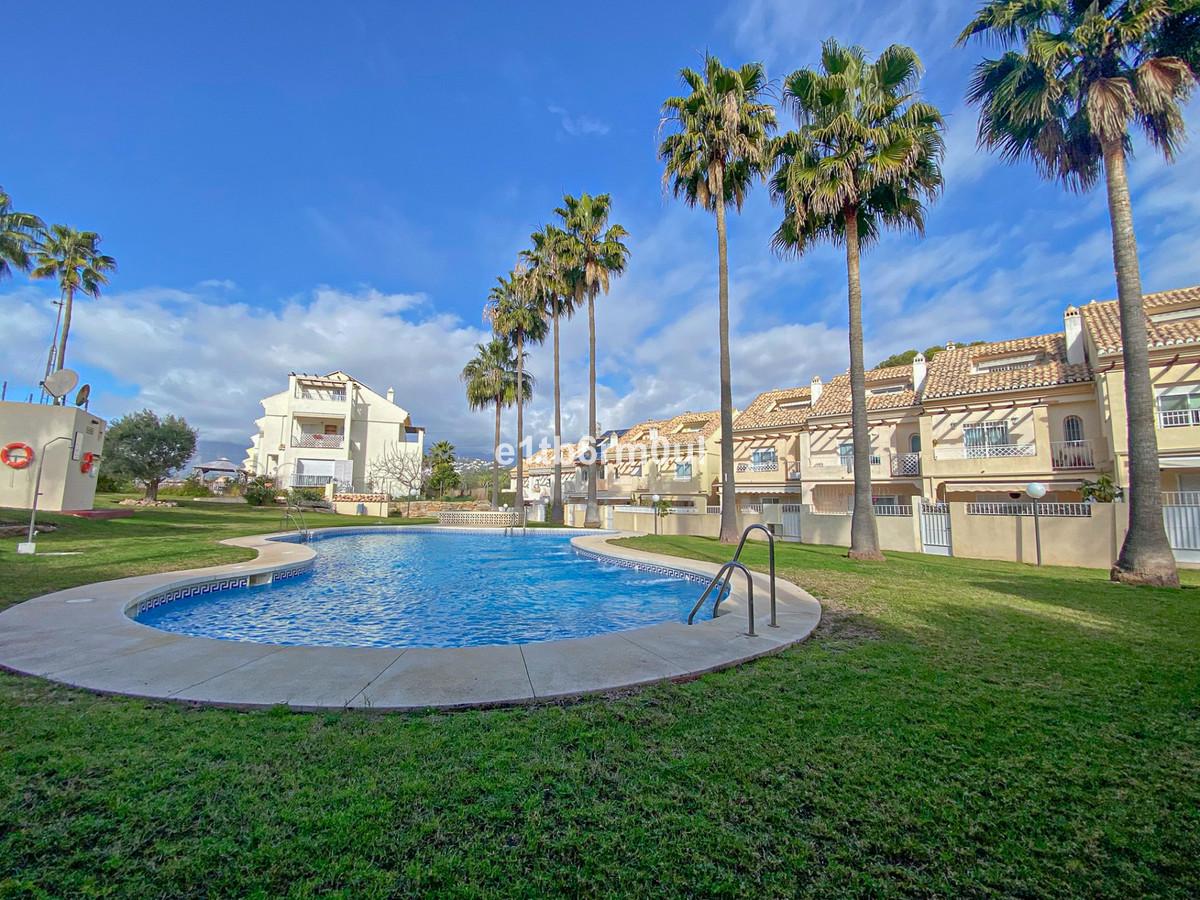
221,466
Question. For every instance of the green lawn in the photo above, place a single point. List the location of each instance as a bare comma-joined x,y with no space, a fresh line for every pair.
954,727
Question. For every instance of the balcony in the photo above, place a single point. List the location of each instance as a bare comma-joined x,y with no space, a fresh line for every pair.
986,451
906,465
770,466
310,480
1072,455
318,441
794,472
325,395
1177,418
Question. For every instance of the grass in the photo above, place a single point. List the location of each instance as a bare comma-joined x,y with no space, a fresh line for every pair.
954,727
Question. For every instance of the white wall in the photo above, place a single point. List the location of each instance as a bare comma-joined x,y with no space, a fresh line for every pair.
64,484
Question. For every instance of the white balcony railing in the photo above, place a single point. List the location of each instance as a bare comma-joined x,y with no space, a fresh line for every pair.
1072,455
893,509
329,396
1181,498
986,451
1064,510
767,466
1175,418
318,441
844,463
906,464
793,472
311,480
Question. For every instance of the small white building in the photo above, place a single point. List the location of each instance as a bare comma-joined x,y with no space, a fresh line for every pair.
63,442
328,429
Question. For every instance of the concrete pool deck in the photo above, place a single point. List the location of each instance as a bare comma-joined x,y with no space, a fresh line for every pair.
85,637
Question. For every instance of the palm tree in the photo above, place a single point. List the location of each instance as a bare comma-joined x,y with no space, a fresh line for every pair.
74,258
516,313
18,233
720,146
550,268
491,378
594,254
866,156
1074,77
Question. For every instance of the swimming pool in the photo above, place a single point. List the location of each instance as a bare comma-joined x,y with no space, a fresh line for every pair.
405,587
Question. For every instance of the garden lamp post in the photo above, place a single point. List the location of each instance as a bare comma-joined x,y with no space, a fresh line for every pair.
1036,490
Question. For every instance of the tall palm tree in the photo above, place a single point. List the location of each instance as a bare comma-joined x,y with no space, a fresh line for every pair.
866,156
1075,76
594,254
550,267
74,258
516,313
491,379
18,234
720,145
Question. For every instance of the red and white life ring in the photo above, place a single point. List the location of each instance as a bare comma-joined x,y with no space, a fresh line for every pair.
86,463
16,462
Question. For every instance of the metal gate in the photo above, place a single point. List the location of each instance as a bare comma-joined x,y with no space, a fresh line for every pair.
935,528
789,529
1181,515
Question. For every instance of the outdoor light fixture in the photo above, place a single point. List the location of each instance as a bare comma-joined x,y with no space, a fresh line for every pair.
1036,490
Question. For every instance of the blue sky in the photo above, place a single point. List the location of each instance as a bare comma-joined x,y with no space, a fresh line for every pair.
314,187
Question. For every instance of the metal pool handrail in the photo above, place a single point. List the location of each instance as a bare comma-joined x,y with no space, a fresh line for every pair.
727,571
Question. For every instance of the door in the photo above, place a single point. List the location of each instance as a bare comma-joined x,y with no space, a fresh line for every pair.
935,528
789,529
1181,515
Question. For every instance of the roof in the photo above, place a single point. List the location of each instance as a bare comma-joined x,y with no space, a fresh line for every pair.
544,459
1103,321
673,429
835,396
768,410
952,373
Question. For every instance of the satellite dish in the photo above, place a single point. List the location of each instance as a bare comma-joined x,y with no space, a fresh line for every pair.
59,383
83,396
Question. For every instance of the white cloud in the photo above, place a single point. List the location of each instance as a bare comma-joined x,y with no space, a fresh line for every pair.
581,125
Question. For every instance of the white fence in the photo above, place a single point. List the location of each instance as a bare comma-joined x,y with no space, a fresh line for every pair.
479,519
1062,510
985,451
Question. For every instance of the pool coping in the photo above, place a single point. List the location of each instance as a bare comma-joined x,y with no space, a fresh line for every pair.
86,637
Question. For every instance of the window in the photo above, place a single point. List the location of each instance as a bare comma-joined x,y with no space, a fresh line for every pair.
887,389
979,438
758,457
1179,405
1174,315
794,404
683,470
914,443
846,454
884,500
1007,363
1073,428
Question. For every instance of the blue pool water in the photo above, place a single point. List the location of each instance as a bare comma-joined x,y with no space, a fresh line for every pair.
420,589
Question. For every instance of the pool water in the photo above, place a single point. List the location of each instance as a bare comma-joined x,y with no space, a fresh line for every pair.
407,588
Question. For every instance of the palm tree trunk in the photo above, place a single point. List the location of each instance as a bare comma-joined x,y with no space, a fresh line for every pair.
864,536
729,524
1146,556
496,461
61,358
519,500
591,517
556,500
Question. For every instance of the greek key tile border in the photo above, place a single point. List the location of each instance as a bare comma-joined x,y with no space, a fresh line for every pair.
643,567
191,590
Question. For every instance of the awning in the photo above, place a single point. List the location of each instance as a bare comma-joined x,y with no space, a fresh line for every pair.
767,489
1179,462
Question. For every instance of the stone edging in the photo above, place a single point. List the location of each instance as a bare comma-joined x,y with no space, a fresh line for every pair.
83,637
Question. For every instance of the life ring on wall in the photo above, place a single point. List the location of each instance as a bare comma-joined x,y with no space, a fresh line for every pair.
16,462
85,464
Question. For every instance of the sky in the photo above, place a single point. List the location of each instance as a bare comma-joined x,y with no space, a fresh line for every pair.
309,187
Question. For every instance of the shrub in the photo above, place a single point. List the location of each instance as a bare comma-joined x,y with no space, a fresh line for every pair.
193,486
259,491
306,495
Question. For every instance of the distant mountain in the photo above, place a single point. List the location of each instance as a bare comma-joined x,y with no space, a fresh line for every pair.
465,465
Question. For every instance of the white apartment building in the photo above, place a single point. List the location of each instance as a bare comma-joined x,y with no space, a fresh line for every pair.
328,429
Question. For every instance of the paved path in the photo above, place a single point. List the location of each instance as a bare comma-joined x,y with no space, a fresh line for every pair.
85,637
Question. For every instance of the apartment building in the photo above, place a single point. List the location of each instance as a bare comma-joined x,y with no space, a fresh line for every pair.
978,423
678,459
329,429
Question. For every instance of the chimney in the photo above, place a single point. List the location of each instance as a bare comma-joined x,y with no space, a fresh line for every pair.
950,345
391,395
920,370
1073,327
817,387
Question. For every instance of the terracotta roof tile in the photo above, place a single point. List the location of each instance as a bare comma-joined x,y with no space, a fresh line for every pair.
954,373
835,397
673,429
1103,321
770,409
